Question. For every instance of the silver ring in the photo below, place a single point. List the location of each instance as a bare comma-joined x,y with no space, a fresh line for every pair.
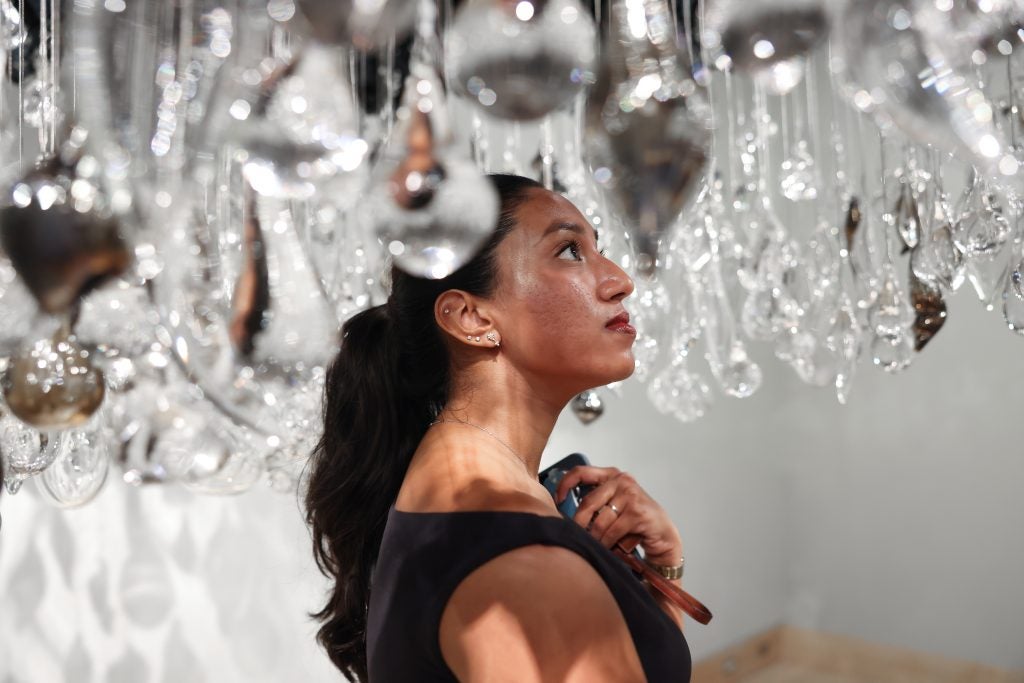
614,509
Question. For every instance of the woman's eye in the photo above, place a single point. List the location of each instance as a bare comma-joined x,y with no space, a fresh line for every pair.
572,247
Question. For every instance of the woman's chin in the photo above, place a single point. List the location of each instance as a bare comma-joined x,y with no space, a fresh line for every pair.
624,371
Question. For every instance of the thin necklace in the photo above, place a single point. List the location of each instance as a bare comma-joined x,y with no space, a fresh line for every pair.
484,429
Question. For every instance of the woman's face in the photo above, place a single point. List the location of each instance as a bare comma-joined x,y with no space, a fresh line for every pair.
556,294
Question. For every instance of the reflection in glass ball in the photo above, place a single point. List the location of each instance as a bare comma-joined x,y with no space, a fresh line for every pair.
521,60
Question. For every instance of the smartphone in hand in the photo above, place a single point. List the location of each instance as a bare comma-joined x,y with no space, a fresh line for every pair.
552,476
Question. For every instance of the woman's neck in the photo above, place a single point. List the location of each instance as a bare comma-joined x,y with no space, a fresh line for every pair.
514,418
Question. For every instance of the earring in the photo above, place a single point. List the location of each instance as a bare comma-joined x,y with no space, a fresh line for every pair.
469,337
492,337
447,311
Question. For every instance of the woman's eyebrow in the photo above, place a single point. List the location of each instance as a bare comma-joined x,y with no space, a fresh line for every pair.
571,227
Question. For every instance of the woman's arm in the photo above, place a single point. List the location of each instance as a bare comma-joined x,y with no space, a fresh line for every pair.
533,615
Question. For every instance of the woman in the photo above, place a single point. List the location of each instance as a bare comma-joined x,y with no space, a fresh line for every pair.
438,408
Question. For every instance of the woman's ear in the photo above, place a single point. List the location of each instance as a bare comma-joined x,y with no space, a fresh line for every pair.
459,314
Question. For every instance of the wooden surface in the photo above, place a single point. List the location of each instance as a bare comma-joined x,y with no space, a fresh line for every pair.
786,654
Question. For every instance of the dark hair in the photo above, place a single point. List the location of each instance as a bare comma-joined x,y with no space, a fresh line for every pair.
389,380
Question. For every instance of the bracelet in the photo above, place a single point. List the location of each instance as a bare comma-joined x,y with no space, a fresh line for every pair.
669,572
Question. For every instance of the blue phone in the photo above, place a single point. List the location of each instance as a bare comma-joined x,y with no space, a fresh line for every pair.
550,477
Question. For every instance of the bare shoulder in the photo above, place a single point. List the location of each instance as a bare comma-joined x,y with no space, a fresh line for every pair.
535,614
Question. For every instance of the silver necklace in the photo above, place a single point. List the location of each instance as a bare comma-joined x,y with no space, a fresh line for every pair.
484,429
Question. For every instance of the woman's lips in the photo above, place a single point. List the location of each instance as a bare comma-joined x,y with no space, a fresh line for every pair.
623,327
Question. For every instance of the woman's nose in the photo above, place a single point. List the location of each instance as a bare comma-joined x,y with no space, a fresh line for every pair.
615,284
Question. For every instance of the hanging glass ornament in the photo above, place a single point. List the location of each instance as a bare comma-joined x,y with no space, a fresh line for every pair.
203,455
651,315
146,102
695,243
929,310
26,452
648,126
59,230
362,24
588,406
17,308
51,383
981,228
1017,280
1013,291
430,205
769,40
245,313
888,58
680,393
13,32
520,60
798,180
937,259
78,475
291,123
891,314
892,353
907,216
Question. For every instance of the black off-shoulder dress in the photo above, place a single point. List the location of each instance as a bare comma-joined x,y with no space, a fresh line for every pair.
425,555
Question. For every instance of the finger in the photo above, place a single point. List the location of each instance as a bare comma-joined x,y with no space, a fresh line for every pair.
620,486
595,501
600,520
617,529
588,474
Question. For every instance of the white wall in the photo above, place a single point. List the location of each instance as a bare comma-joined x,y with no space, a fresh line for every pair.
896,519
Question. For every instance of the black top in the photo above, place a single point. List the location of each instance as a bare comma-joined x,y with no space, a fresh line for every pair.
425,555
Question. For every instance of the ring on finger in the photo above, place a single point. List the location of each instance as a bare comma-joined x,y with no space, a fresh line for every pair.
614,509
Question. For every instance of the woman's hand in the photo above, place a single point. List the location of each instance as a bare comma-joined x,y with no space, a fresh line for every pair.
640,520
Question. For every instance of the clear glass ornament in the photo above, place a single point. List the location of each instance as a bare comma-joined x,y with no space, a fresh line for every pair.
892,353
937,259
891,315
292,123
26,452
588,406
887,54
798,182
981,228
677,392
76,477
431,207
648,127
767,40
521,60
364,25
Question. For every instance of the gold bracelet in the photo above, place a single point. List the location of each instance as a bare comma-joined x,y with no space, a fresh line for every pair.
669,572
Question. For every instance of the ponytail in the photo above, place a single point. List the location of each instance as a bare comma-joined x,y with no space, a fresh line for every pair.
389,380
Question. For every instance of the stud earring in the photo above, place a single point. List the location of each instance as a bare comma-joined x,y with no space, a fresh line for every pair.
469,337
447,311
477,338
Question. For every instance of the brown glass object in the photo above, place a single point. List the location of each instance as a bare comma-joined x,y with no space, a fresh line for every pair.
929,310
60,253
52,384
